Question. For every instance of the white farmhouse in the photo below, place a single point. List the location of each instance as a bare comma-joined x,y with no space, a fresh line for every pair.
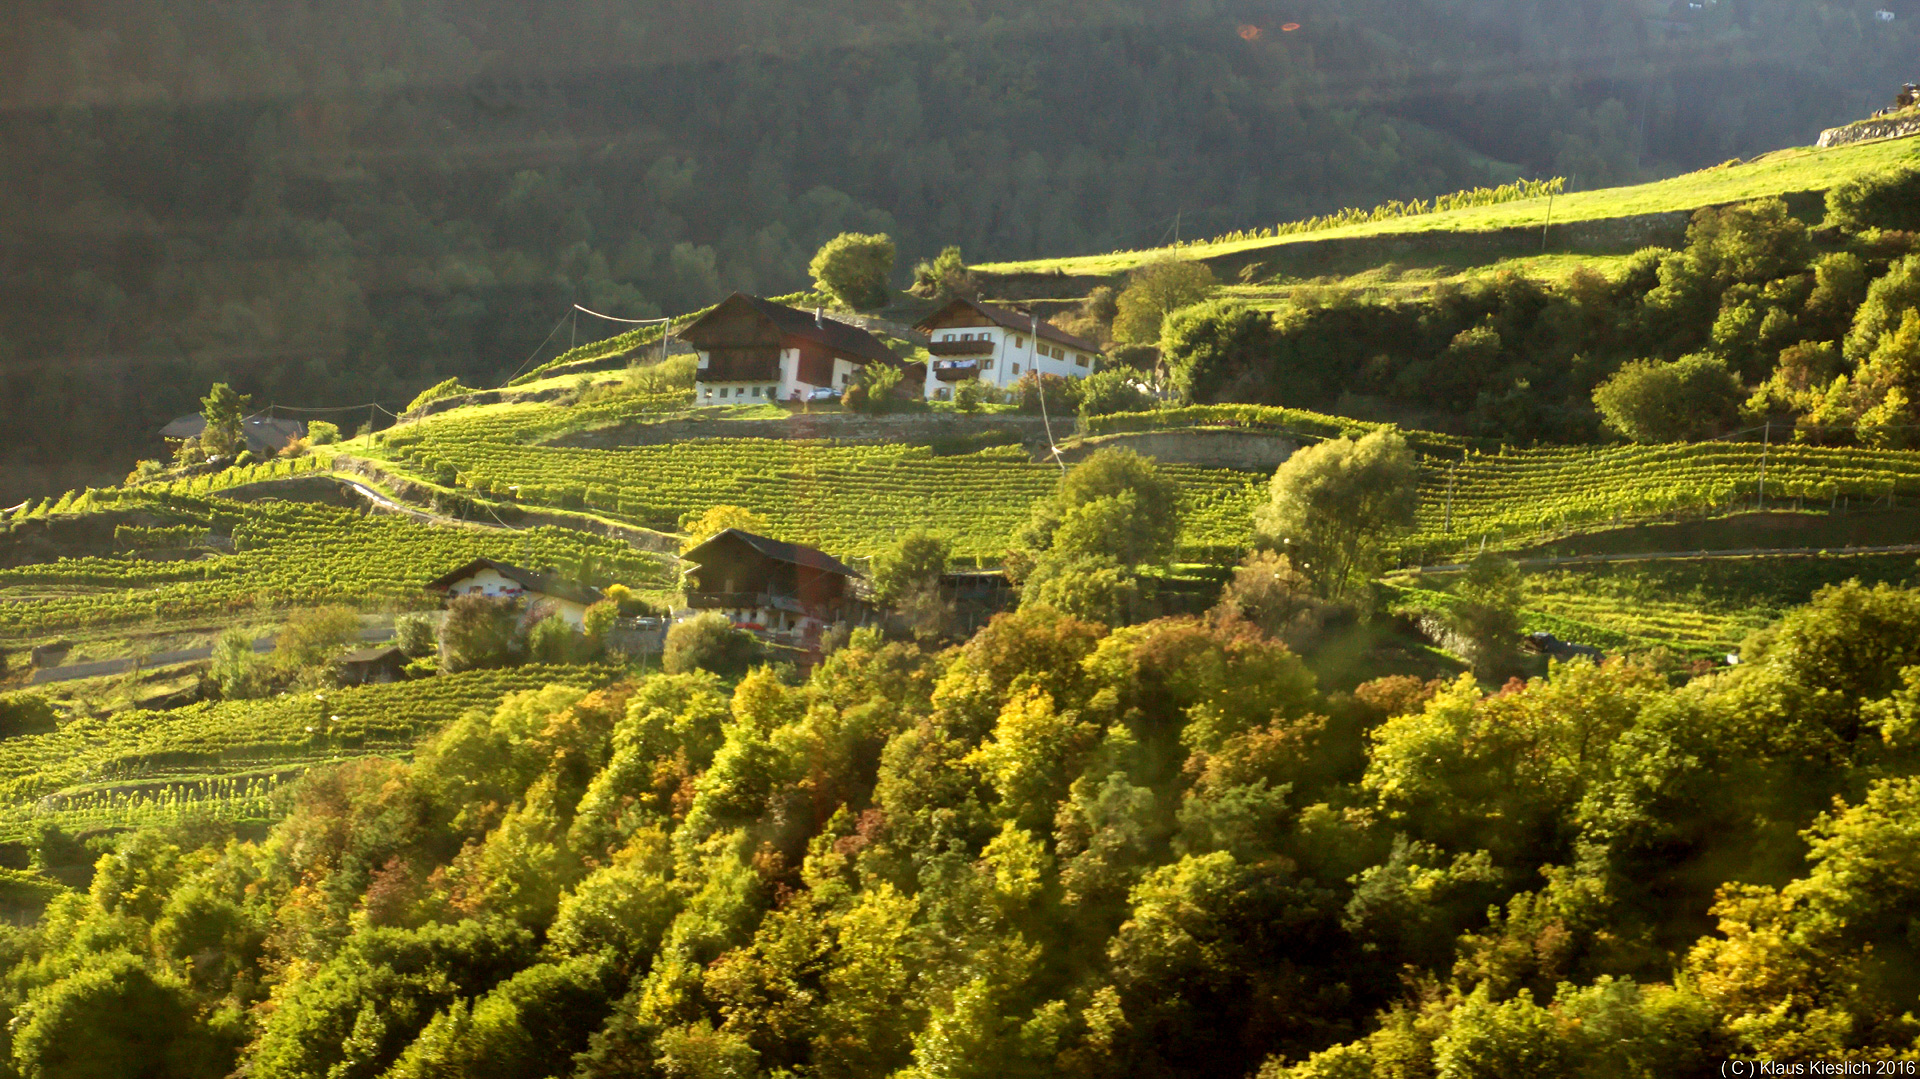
543,593
753,350
997,345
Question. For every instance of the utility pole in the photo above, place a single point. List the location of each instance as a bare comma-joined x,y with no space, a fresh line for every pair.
1549,224
1765,441
1446,527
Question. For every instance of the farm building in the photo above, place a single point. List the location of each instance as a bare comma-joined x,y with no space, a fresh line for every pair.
754,350
266,435
373,666
545,594
997,345
786,591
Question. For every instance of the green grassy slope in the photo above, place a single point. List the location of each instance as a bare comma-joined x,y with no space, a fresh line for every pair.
1778,173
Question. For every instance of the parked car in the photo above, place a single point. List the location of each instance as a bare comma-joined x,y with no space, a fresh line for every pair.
823,394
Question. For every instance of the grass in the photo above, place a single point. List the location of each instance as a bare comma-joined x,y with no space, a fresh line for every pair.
1778,173
1416,274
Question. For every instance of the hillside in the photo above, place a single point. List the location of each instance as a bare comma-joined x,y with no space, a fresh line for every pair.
1616,218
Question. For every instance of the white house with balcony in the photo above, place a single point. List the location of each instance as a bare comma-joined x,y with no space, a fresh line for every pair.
998,345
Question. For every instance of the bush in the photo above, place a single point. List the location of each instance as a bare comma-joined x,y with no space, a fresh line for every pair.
477,632
1113,390
1691,398
322,433
415,635
709,642
315,638
1062,394
236,667
854,267
550,641
944,277
26,713
1883,200
1211,345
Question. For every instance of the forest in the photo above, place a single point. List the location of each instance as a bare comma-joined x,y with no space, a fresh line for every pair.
1056,850
342,207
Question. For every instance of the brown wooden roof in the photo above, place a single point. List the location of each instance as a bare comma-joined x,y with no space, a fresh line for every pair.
545,584
1010,319
798,554
851,341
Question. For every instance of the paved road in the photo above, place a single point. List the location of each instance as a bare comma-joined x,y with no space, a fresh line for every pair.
1661,556
97,668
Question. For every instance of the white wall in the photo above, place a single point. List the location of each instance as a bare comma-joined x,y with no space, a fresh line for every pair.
489,582
1014,354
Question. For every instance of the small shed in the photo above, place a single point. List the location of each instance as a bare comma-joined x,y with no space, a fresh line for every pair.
371,666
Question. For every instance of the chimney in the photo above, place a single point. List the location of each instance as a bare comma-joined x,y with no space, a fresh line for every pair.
819,317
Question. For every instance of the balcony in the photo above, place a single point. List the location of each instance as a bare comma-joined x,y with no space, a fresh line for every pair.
747,601
976,347
956,370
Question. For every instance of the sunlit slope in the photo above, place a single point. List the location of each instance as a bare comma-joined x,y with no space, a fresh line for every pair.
1779,173
854,499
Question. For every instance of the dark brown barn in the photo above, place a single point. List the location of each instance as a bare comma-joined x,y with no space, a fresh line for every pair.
777,588
754,348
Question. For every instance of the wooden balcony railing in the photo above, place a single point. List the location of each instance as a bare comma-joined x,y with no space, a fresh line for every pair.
976,347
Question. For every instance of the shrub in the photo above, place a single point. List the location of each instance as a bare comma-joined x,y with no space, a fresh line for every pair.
415,635
1693,397
944,277
550,641
322,433
709,642
968,396
26,713
1882,200
1113,390
314,638
1062,394
478,632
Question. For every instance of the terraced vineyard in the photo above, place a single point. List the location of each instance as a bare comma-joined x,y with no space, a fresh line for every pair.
227,759
852,499
1530,493
283,555
848,499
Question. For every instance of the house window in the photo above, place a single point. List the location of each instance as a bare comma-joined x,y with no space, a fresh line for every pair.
1019,342
843,378
986,364
948,337
1079,359
723,392
772,392
1016,370
941,394
756,391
